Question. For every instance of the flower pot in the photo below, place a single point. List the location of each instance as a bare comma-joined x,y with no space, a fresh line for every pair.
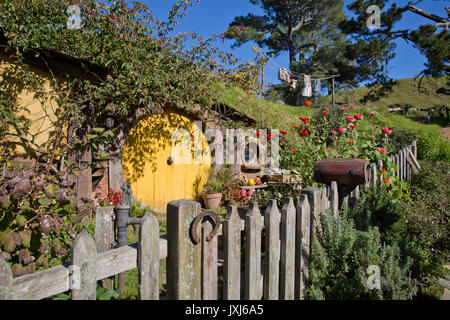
212,200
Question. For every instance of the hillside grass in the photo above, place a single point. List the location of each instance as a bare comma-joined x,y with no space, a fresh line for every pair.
404,92
274,115
267,114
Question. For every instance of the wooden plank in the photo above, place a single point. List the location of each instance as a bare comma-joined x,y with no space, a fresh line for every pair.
42,284
400,167
380,166
148,258
405,169
272,251
115,172
287,259
116,261
184,258
104,235
5,280
84,182
52,281
357,195
253,227
334,198
397,165
325,203
373,176
103,228
84,258
314,202
209,263
302,246
413,162
232,259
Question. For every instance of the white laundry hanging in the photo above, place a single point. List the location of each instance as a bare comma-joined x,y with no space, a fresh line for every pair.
307,90
317,85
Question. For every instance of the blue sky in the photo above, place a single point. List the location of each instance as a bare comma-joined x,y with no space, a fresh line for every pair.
214,16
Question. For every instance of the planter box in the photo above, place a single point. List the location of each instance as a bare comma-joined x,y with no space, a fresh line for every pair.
283,178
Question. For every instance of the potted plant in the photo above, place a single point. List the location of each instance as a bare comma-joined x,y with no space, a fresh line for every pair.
212,195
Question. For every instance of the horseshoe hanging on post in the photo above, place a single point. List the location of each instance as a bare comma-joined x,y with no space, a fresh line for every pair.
193,231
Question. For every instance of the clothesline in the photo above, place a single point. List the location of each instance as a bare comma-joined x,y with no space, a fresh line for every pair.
299,75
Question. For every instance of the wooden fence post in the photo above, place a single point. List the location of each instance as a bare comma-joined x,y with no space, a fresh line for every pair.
314,202
5,280
357,194
325,203
84,262
232,259
373,178
104,235
287,259
334,198
148,258
209,262
397,164
253,226
272,251
184,258
400,167
380,167
405,169
302,247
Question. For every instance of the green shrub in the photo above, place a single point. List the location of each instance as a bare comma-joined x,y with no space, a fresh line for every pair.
401,138
379,208
342,256
428,219
433,147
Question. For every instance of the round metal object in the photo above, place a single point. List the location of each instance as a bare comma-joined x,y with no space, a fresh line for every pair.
193,231
346,172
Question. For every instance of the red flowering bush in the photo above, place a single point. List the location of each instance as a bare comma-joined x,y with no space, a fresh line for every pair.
114,198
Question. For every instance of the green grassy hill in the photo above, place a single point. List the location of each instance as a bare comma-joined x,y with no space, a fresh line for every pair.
405,91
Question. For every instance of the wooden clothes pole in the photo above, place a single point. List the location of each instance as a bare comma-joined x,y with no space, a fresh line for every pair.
333,94
263,80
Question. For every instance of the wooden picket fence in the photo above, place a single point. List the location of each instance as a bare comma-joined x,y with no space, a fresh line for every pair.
256,255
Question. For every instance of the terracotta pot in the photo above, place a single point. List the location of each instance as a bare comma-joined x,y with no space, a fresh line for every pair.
212,200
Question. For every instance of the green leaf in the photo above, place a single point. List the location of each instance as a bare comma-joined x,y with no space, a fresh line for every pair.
104,155
91,136
108,133
44,201
98,130
61,296
52,189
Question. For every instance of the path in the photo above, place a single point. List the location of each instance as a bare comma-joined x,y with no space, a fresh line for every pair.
445,132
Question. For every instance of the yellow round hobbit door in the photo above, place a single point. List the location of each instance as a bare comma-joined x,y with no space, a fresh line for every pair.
164,160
